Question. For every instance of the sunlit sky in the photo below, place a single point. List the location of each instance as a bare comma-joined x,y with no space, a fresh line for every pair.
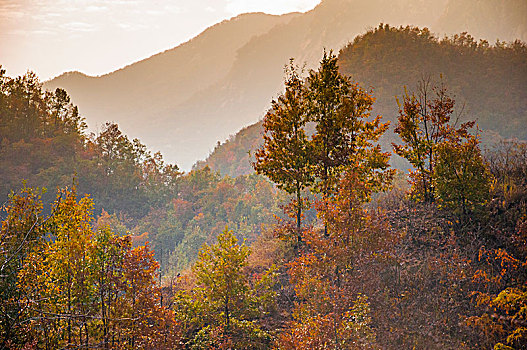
99,36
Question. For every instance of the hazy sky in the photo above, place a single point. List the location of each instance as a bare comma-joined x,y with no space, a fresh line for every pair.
99,36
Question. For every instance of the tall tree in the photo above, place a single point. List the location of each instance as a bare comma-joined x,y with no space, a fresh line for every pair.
344,137
340,110
285,155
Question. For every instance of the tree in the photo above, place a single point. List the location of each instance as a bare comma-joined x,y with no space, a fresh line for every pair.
64,117
425,122
57,278
318,331
340,110
462,180
107,253
90,289
501,299
229,301
144,322
335,272
41,133
219,269
343,135
21,231
123,176
285,156
344,138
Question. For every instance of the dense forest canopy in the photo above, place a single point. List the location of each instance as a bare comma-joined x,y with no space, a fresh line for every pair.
488,78
326,247
44,144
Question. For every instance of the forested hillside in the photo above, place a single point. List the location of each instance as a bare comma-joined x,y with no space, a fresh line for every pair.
487,80
380,202
44,144
340,253
233,157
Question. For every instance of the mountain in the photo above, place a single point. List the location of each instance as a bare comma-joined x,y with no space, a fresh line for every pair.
487,81
135,93
489,19
183,101
234,156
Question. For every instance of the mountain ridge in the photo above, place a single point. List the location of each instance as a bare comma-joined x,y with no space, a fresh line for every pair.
120,95
185,115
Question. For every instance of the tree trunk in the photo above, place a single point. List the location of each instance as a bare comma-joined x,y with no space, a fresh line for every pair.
299,215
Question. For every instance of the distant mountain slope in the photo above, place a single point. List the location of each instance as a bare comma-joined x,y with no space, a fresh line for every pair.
131,95
488,80
234,156
488,19
244,94
186,99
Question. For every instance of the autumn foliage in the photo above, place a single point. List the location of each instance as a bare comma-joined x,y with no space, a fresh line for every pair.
361,257
76,287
